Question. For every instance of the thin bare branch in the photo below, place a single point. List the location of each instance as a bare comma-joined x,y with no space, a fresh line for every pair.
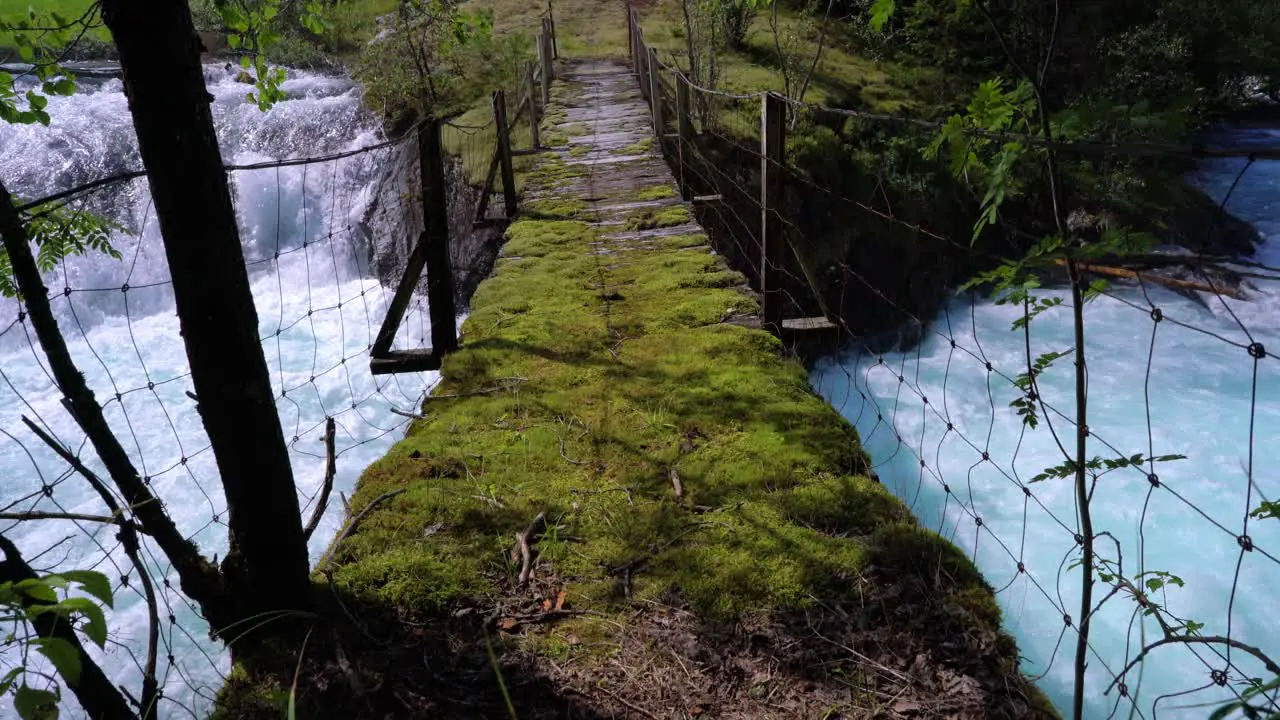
330,469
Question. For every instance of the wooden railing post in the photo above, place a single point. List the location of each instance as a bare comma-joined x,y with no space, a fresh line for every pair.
504,152
637,51
551,26
435,217
631,34
773,113
642,66
544,60
548,34
530,90
684,125
655,91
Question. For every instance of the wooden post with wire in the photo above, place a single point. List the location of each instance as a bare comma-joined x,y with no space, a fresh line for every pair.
633,24
655,92
551,26
504,152
432,254
642,66
548,35
435,214
544,60
684,137
773,115
530,90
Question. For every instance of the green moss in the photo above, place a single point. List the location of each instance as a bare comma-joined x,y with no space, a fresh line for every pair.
638,147
649,220
244,696
579,150
657,192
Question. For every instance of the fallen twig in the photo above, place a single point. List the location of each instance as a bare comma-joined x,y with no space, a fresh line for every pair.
568,459
352,526
523,541
675,482
635,708
405,413
39,515
330,469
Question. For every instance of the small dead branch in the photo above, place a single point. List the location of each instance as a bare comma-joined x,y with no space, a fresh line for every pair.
328,556
675,483
38,515
405,413
1168,282
568,459
616,698
330,469
1267,662
132,547
523,542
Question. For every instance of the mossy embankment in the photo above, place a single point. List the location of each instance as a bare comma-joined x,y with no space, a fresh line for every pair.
703,535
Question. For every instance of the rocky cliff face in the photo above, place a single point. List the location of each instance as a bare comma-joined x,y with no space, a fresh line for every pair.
394,222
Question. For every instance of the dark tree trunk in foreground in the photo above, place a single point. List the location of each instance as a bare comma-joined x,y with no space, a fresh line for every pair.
266,568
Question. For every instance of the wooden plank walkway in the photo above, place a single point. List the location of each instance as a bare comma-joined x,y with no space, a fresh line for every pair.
611,146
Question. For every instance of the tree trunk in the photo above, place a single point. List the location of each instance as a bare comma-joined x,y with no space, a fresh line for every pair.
266,567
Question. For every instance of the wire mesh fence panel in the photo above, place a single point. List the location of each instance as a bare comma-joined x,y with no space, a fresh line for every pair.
311,231
968,401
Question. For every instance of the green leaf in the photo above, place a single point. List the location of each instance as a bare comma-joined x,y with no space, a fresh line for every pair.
37,589
33,704
37,102
94,583
63,655
95,626
64,86
881,12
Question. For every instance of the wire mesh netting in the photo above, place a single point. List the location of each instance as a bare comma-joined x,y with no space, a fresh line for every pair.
968,405
309,231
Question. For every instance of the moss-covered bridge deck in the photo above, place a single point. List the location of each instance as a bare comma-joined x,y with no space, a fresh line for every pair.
693,526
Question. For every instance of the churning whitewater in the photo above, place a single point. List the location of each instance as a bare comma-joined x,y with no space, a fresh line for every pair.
318,310
1187,385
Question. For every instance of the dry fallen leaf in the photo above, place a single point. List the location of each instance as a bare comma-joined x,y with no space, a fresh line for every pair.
560,600
508,623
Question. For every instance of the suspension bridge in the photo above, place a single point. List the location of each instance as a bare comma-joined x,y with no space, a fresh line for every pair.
617,492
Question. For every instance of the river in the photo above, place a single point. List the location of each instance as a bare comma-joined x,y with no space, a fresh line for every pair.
318,309
1185,385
